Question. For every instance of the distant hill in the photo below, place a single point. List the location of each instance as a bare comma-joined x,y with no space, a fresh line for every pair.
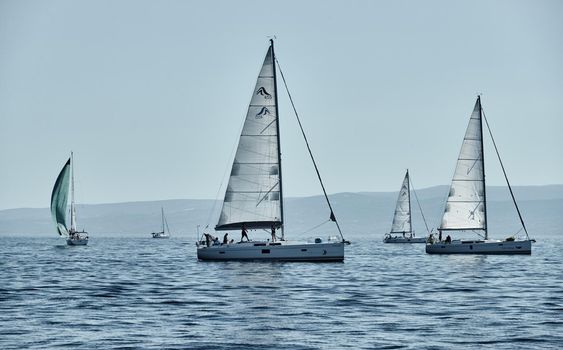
360,214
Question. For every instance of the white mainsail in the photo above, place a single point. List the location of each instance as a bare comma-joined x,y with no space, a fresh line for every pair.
402,218
253,197
465,207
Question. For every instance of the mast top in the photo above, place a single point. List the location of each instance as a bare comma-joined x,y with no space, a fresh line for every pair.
273,54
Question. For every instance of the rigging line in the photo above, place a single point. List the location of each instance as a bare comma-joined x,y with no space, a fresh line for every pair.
332,216
517,232
315,227
267,193
267,126
166,223
472,212
473,165
478,234
419,206
505,176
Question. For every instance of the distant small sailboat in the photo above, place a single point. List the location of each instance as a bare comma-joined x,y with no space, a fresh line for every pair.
466,206
165,233
59,199
401,229
254,198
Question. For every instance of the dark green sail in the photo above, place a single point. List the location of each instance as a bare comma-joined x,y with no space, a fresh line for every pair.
59,199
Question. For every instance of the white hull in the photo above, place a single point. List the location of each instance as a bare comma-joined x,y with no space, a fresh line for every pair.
481,247
77,238
281,251
79,241
404,240
160,235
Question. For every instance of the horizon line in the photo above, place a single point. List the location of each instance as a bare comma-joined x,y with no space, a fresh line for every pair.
287,197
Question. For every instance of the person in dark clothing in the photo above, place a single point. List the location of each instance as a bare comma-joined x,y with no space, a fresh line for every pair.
225,238
440,236
448,239
243,233
208,239
273,233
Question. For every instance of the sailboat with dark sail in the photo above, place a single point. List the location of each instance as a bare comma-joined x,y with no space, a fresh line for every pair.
59,200
401,229
466,206
254,198
165,233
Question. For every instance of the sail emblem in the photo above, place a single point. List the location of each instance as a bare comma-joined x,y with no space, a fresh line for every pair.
263,112
262,92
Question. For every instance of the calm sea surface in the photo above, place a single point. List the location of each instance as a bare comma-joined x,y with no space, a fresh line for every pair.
135,293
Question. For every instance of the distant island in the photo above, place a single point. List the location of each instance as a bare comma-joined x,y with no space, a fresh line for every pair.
363,214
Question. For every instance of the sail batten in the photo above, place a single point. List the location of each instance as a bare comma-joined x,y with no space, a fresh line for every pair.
59,199
253,197
402,216
465,207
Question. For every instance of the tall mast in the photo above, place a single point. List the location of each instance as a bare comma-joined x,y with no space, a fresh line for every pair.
278,137
162,214
72,210
409,194
483,160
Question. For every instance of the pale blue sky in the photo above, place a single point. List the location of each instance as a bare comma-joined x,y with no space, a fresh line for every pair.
151,95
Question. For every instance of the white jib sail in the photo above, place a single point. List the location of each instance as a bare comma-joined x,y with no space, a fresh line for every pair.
253,195
465,207
402,218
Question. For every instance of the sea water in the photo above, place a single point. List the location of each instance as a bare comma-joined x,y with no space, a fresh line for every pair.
142,293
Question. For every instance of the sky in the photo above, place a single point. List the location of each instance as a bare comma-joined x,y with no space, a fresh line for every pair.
151,95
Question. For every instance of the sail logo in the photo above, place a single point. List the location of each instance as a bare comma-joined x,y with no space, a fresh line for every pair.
262,92
263,112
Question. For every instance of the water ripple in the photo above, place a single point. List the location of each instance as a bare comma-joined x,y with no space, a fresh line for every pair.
146,294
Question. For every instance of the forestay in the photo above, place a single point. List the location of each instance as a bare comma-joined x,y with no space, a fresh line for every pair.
402,218
59,199
465,207
253,196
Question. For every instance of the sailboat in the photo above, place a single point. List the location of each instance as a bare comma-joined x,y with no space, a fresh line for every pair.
401,229
254,198
466,205
59,200
165,228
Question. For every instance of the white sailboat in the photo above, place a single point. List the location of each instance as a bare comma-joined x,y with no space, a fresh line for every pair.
401,229
466,206
165,233
254,198
59,199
